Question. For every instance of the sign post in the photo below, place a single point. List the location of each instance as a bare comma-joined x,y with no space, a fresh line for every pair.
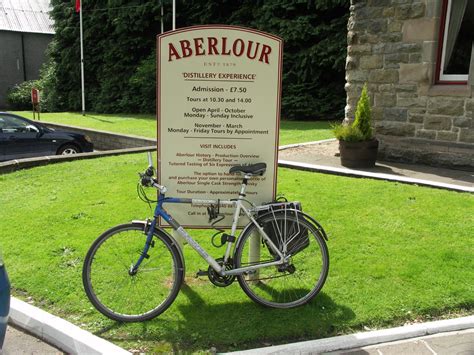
35,101
218,105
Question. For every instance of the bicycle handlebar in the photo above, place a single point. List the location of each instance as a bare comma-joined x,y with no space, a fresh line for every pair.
147,179
150,160
150,181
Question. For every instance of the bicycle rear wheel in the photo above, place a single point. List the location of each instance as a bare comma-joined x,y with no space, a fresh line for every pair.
125,296
284,286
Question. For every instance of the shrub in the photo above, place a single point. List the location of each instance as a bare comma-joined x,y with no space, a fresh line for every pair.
348,133
47,82
142,94
363,116
19,96
361,129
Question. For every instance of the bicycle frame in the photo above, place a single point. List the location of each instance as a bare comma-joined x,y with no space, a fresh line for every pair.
237,204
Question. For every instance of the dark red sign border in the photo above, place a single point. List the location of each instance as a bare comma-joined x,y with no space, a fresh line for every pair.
158,97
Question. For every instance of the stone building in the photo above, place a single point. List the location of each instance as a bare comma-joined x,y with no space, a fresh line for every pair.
25,32
417,57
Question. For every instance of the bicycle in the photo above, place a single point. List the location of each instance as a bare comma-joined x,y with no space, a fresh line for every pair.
134,271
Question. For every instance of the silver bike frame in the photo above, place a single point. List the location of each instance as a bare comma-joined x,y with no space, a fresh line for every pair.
239,206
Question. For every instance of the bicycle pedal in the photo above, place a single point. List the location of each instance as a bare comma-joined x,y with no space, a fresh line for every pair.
201,273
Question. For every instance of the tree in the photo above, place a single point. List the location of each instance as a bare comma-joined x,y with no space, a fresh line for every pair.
119,39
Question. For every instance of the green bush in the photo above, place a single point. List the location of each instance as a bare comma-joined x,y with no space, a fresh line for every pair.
142,94
47,83
361,129
363,116
348,133
19,96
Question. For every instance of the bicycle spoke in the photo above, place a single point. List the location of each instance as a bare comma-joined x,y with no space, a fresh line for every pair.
292,283
124,296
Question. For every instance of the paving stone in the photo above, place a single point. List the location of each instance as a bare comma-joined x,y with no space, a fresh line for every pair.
461,343
323,154
18,342
415,347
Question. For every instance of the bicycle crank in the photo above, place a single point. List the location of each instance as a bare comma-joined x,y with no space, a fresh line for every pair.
219,280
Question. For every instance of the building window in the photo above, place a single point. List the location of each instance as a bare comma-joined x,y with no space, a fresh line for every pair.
456,41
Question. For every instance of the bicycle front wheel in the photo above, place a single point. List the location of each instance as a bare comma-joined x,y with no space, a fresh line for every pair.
132,296
291,284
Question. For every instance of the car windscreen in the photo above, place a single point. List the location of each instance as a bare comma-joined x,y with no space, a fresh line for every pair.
10,124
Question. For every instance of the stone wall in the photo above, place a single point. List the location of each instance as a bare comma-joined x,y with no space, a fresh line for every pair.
392,46
104,140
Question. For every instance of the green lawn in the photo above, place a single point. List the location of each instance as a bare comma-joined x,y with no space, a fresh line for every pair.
398,253
145,125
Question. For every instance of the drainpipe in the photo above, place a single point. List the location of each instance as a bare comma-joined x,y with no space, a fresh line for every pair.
23,55
471,67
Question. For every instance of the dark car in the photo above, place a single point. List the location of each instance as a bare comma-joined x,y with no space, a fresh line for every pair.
22,138
4,300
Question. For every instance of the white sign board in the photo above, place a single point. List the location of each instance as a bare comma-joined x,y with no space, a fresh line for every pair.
218,105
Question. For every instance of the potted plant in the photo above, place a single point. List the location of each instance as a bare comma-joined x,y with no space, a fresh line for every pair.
357,144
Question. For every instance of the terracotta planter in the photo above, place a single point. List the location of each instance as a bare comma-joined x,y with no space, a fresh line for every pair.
359,154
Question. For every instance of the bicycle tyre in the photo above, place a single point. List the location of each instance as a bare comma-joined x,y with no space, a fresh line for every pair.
132,298
291,285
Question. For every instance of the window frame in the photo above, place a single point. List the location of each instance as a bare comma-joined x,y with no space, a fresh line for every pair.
441,78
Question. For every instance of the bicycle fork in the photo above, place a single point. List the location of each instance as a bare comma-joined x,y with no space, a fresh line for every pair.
148,228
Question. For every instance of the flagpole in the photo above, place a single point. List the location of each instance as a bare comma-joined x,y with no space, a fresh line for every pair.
82,64
162,24
174,15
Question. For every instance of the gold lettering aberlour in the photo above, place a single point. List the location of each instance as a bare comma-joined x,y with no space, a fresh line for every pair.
218,105
219,46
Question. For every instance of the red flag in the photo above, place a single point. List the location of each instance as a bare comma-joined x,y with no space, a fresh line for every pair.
78,5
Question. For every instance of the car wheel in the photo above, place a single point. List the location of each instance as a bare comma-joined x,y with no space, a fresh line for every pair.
68,149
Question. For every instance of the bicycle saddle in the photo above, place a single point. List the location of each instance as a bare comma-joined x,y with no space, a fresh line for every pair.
254,169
